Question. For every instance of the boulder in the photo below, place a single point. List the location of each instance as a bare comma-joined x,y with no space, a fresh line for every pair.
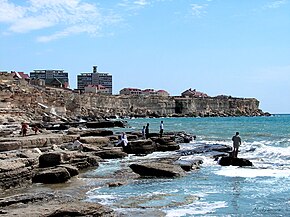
50,159
81,160
51,176
140,147
227,161
73,171
157,169
166,144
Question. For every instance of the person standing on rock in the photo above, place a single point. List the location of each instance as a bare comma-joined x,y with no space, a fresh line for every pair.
161,129
147,131
24,128
236,143
143,133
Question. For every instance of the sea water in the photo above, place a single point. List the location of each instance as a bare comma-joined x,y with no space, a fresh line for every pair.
213,190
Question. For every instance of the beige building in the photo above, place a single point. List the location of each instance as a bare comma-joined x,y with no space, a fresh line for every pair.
146,92
193,93
162,93
131,91
97,89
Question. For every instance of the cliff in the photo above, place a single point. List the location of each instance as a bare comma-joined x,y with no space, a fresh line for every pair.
20,99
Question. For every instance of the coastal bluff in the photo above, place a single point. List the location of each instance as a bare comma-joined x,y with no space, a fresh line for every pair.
19,98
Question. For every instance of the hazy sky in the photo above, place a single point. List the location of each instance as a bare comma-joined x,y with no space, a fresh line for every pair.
233,47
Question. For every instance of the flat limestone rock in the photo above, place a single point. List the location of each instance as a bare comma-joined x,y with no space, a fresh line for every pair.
157,169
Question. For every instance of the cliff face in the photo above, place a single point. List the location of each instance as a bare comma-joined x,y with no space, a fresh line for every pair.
168,106
215,106
20,98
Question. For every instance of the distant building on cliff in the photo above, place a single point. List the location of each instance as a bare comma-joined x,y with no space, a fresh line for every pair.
56,78
193,93
97,89
95,78
131,91
137,91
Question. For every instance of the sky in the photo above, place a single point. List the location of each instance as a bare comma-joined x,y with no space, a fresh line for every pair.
239,48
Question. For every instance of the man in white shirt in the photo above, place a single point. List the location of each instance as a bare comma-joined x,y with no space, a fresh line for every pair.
161,129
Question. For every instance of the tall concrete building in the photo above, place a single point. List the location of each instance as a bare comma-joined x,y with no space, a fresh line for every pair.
50,75
95,78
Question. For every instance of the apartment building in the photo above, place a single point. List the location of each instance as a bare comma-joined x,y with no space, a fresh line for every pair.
50,76
95,78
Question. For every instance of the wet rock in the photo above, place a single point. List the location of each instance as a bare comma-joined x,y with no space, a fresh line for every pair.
166,144
157,169
182,137
140,147
51,176
227,161
115,184
189,164
203,148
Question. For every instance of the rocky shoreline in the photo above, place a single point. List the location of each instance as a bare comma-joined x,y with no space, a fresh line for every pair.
46,159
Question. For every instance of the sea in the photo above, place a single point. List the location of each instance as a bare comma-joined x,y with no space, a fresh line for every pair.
212,190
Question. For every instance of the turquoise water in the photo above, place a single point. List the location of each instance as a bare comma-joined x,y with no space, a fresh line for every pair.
263,190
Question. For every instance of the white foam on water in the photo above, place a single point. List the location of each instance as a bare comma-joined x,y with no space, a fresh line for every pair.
105,199
197,208
233,171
